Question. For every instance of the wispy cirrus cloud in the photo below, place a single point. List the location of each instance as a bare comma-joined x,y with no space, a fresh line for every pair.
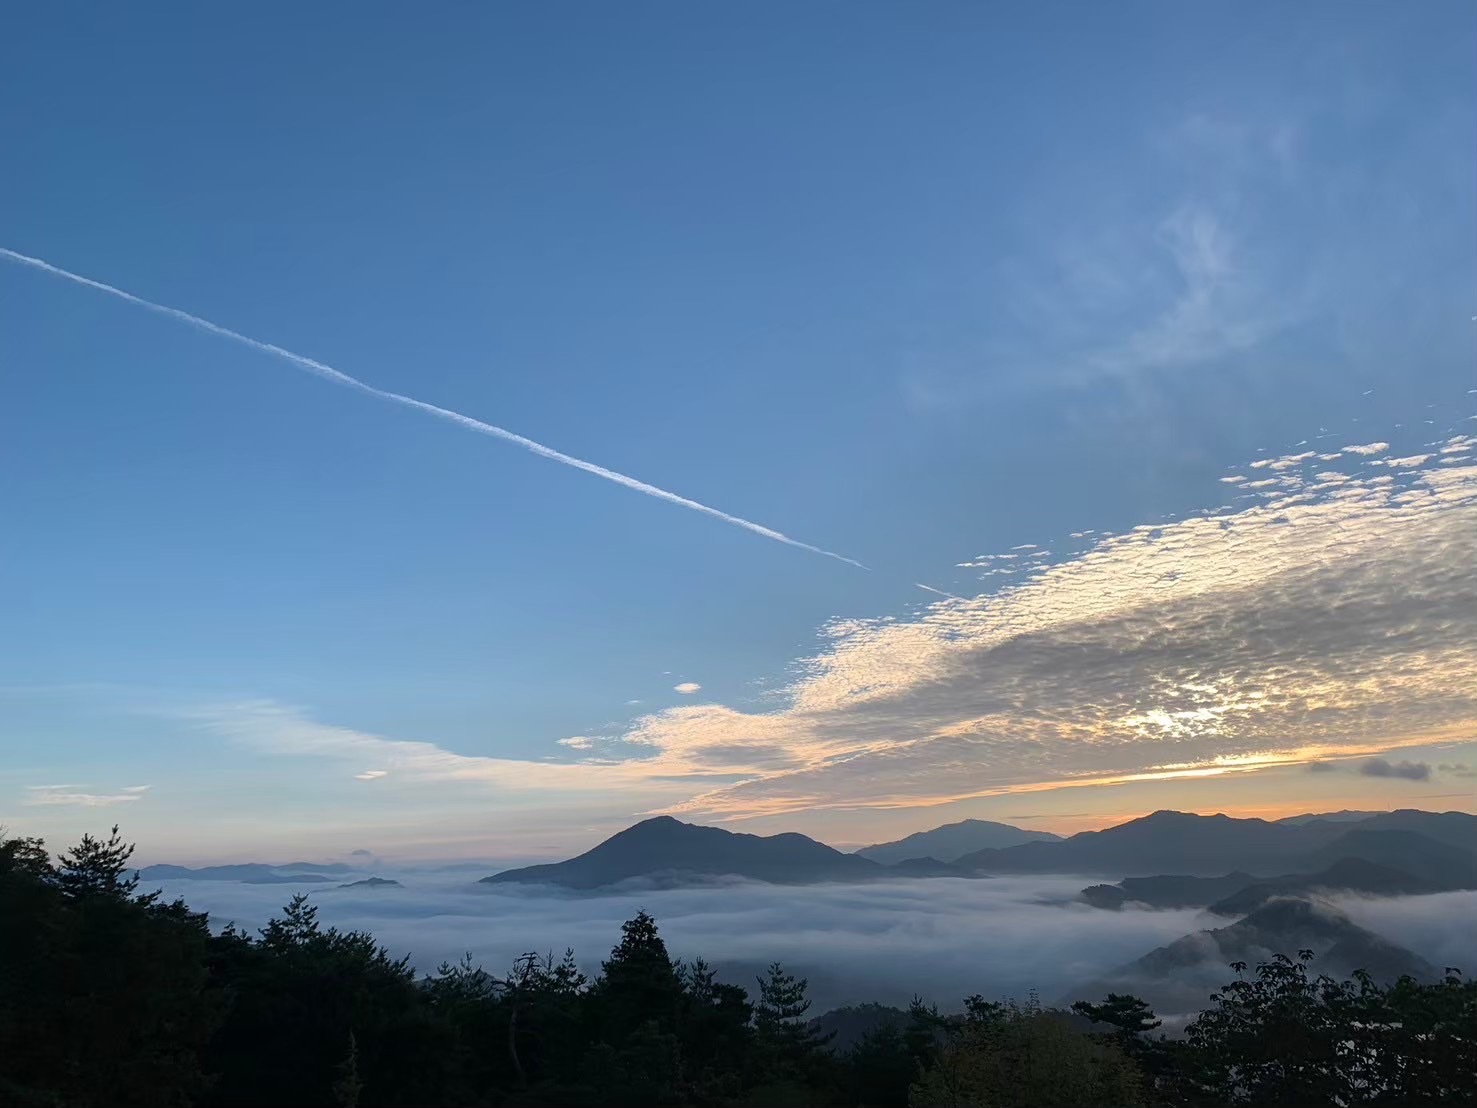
290,731
1139,282
285,729
1209,305
76,796
1215,242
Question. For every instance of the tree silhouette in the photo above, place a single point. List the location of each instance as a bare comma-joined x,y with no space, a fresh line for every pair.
785,1038
639,982
25,857
1026,1057
347,1086
1128,1015
714,1030
108,997
104,994
98,868
1280,1036
1131,1021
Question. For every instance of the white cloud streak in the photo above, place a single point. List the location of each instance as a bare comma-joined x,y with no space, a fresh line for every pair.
936,592
72,796
338,377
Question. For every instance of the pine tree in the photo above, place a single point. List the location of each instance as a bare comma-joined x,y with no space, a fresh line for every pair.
296,927
347,1086
1127,1015
97,868
779,1017
640,951
104,994
542,1000
639,982
1131,1020
715,1030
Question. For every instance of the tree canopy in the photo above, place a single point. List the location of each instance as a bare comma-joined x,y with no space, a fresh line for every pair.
110,996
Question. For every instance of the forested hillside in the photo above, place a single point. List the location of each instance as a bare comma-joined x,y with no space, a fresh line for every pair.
111,997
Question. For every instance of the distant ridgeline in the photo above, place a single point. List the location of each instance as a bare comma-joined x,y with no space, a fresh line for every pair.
1404,851
1386,853
1168,859
112,996
252,873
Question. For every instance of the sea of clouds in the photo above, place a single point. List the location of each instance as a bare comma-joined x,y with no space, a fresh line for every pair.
940,938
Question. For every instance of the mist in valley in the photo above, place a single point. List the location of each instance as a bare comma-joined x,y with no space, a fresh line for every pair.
941,938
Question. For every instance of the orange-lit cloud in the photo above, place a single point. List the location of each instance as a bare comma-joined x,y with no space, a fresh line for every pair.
1333,614
1327,616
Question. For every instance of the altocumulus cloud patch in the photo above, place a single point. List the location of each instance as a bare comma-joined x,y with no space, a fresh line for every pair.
1337,606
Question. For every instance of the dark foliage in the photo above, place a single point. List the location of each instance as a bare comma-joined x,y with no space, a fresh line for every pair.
109,997
105,995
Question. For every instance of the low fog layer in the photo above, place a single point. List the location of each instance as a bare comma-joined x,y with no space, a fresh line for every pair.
942,938
1437,927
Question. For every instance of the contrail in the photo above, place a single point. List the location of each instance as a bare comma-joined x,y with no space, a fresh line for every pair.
338,377
940,592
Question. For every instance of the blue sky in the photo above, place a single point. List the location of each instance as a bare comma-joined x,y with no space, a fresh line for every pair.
916,284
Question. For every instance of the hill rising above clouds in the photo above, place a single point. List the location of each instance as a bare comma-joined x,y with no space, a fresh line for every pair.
669,851
1232,851
954,840
252,873
1177,977
1427,845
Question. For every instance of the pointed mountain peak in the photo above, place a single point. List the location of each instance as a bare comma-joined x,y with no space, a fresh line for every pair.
671,852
